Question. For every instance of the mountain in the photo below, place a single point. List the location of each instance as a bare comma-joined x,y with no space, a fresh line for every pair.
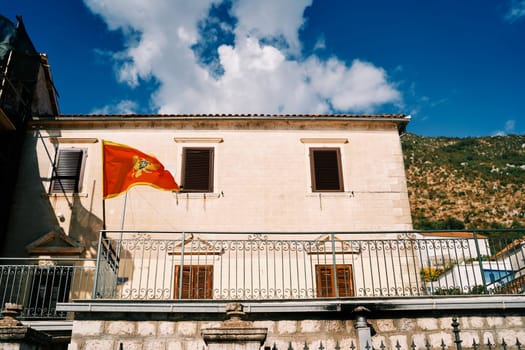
456,183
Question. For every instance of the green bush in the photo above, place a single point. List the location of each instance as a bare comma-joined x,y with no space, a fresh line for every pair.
447,291
423,223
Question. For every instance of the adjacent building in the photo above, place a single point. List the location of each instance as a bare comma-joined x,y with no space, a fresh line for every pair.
26,89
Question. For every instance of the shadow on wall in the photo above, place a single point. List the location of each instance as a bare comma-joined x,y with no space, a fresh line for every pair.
35,213
84,227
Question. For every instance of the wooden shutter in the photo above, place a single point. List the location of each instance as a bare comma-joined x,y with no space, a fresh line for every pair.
197,281
197,170
324,280
186,282
326,170
324,275
202,280
344,280
67,172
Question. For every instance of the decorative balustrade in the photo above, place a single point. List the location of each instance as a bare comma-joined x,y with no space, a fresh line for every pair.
140,266
247,266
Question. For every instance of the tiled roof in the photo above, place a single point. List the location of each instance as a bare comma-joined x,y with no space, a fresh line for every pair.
510,247
401,120
447,234
244,116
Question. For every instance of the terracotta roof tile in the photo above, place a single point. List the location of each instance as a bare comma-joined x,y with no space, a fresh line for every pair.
245,116
510,247
448,234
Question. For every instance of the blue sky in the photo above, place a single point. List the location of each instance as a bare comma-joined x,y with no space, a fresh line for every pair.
457,67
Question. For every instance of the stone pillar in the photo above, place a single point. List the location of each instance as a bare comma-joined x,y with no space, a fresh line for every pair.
234,333
15,336
364,332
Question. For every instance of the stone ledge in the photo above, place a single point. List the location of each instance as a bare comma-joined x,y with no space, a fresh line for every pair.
216,309
234,334
17,333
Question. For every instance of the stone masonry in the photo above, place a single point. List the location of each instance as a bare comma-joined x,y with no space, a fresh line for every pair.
187,335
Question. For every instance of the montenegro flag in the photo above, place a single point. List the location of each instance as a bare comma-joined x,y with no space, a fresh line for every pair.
124,167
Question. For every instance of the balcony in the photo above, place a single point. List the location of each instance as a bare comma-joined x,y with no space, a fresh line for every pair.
204,267
39,284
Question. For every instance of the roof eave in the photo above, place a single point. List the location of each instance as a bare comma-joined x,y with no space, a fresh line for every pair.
400,119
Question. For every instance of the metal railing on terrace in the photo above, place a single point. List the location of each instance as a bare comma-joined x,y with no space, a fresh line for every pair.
222,266
39,284
265,266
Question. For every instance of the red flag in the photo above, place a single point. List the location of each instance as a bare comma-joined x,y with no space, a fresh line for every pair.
124,167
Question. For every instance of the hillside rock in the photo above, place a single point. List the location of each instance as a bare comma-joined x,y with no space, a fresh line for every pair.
475,182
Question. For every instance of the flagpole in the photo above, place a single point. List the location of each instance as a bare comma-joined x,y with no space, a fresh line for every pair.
103,187
103,214
123,213
122,224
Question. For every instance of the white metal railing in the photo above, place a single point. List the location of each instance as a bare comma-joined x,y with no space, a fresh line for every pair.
263,266
39,284
223,266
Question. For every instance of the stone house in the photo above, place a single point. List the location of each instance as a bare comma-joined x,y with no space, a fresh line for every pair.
303,176
289,231
301,259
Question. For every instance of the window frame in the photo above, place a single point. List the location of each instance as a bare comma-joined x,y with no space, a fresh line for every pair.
56,185
193,285
325,285
314,175
184,170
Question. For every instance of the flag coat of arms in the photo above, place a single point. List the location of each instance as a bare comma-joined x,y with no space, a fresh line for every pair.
124,167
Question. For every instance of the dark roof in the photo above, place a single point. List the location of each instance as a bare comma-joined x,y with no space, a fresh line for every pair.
400,117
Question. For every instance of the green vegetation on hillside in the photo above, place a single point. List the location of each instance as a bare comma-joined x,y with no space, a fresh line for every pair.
455,183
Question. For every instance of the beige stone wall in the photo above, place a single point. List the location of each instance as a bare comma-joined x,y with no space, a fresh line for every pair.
186,335
435,329
261,182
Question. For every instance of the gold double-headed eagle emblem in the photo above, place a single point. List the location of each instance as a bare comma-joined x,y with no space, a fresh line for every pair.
141,165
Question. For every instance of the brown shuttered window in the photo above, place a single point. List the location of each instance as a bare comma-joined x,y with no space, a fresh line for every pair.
197,169
67,174
324,276
327,175
197,282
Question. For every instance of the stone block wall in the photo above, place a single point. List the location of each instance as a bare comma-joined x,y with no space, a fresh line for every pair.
186,335
165,335
434,330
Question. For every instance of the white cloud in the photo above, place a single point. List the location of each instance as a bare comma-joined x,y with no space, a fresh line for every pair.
263,71
359,87
510,128
271,18
320,44
516,11
122,107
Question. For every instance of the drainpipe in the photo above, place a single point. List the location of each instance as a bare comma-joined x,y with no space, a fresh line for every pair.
364,331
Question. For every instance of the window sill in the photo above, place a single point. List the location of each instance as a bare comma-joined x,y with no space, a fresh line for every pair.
77,195
199,195
349,194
